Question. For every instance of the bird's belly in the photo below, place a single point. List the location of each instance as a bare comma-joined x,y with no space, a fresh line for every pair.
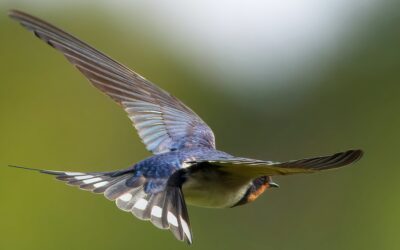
214,189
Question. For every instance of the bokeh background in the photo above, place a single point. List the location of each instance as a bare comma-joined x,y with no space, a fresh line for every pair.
275,80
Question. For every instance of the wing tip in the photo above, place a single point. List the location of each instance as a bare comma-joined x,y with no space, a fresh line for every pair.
360,152
341,159
14,13
356,155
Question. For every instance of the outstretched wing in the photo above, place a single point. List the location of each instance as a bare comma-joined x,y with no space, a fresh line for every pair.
165,208
256,168
163,122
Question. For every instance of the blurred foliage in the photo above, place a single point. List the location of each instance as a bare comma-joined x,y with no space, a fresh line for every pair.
51,118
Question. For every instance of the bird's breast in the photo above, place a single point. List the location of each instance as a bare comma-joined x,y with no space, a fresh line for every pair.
214,189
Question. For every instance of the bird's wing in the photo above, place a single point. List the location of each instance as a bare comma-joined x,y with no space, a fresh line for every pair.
255,168
163,122
162,204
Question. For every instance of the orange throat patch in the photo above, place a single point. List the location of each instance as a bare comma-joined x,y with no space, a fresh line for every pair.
256,193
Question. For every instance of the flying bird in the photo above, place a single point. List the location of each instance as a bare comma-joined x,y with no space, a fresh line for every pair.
186,167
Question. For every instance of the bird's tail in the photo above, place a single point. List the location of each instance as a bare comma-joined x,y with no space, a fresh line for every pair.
96,182
165,209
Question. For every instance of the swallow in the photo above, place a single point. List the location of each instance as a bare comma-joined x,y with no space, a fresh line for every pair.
186,167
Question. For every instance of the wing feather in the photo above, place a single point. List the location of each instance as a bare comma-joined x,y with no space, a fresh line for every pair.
257,168
163,122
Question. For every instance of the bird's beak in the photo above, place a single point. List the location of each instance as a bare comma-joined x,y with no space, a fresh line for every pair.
273,184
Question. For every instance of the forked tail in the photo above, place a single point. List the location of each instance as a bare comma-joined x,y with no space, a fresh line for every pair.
166,208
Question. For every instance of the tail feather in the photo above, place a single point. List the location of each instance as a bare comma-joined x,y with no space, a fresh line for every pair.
175,214
156,215
122,187
44,171
96,182
165,209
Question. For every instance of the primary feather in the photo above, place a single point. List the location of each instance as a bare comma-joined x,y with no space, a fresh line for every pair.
163,122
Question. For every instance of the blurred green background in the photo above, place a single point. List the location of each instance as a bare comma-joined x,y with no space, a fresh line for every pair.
340,96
